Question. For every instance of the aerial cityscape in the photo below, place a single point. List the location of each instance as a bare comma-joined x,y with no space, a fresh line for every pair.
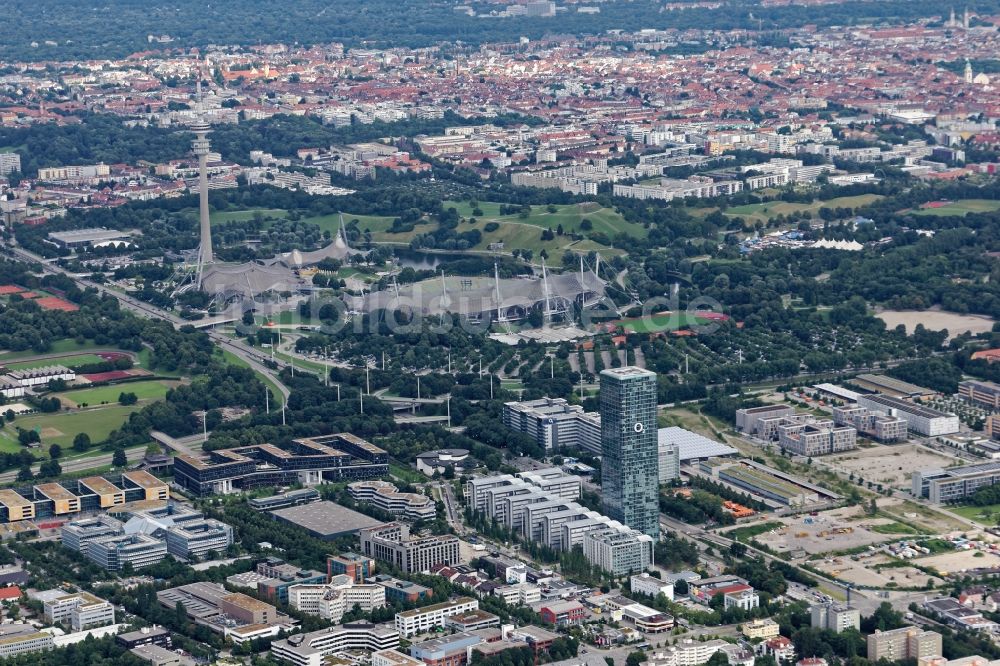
500,333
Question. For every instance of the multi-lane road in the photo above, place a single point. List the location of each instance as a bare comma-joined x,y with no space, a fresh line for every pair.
246,353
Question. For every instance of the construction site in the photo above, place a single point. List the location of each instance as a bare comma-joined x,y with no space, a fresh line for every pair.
835,531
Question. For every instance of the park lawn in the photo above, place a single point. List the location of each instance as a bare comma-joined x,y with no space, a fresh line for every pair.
12,149
61,427
64,346
518,235
145,390
893,528
221,217
69,361
331,223
406,474
667,321
762,212
961,208
985,514
605,220
750,531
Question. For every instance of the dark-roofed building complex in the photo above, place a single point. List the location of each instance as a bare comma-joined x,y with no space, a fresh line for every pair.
306,461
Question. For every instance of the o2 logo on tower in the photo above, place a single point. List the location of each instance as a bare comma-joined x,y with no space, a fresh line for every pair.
638,427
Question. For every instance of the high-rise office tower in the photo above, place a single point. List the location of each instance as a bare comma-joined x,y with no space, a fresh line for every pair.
630,463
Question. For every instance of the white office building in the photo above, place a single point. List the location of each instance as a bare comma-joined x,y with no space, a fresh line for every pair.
651,586
421,620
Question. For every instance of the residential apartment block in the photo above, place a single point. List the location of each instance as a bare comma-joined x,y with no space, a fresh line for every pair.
903,643
835,617
874,424
762,422
816,438
617,552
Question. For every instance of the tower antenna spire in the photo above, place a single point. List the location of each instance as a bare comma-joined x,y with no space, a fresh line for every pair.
200,147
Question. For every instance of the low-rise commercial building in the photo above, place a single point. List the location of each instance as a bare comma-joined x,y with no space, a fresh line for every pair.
385,496
986,394
18,638
394,658
145,636
196,539
450,650
332,600
156,655
313,648
135,551
421,620
233,614
78,610
552,482
90,494
398,590
953,484
651,586
563,613
356,566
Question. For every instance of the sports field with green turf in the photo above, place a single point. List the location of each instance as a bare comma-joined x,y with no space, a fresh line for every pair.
145,390
661,321
61,427
64,346
960,208
74,361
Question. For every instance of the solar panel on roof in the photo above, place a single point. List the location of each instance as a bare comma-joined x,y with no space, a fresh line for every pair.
691,445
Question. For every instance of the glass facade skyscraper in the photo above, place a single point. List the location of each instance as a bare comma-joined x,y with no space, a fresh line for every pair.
630,455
